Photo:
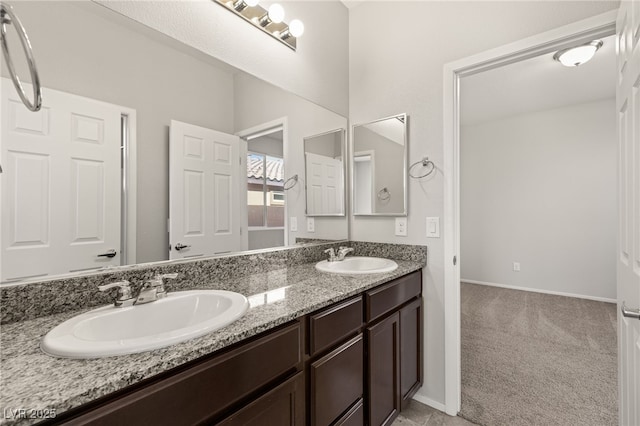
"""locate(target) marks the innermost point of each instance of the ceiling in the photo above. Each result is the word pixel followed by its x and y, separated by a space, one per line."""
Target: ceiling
pixel 537 84
pixel 352 3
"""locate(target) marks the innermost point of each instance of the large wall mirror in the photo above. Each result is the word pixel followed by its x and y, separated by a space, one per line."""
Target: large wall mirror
pixel 379 167
pixel 145 150
pixel 324 157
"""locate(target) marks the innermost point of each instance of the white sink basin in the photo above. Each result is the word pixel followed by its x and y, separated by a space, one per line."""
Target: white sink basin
pixel 357 265
pixel 178 317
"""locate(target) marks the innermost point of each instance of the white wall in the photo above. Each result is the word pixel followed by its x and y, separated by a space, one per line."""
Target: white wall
pixel 257 103
pixel 540 189
pixel 318 70
pixel 265 238
pixel 397 67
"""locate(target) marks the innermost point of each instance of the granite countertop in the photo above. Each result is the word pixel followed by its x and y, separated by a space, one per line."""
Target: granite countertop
pixel 32 380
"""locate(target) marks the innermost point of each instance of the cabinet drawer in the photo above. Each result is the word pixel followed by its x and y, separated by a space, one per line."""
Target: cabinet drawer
pixel 333 324
pixel 388 297
pixel 354 417
pixel 207 389
pixel 337 382
pixel 283 406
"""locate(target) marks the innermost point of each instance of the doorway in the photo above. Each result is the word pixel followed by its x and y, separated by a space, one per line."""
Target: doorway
pixel 265 203
pixel 577 33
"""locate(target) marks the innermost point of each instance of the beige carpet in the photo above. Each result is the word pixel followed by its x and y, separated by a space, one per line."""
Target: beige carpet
pixel 537 359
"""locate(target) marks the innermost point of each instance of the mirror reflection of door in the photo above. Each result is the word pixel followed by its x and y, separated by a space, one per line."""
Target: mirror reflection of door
pixel 204 191
pixel 363 179
pixel 60 186
pixel 324 174
pixel 265 190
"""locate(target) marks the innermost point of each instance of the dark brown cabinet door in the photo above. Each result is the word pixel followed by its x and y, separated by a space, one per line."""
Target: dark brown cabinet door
pixel 383 341
pixel 337 382
pixel 283 406
pixel 411 371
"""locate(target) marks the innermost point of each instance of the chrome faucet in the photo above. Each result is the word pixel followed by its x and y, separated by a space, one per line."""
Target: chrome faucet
pixel 342 252
pixel 123 297
pixel 150 291
pixel 153 289
pixel 332 254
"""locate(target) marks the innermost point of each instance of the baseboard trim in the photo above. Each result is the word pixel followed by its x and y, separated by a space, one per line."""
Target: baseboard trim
pixel 536 290
pixel 430 402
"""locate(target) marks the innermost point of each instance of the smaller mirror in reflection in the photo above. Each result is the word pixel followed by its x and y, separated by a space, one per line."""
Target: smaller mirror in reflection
pixel 324 173
pixel 379 167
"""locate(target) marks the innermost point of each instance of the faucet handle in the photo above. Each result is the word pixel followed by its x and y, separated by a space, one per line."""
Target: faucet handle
pixel 123 297
pixel 123 286
pixel 168 276
pixel 332 254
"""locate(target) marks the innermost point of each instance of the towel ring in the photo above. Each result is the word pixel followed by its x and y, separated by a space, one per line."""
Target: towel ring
pixel 425 162
pixel 384 194
pixel 7 16
pixel 293 179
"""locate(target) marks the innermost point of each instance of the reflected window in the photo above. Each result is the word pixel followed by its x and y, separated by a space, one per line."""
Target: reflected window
pixel 265 192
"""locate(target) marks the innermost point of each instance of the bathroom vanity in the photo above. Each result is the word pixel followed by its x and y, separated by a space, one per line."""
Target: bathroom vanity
pixel 354 360
pixel 315 349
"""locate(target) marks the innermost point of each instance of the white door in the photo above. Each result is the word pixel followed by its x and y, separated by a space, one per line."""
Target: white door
pixel 324 190
pixel 204 198
pixel 628 253
pixel 60 187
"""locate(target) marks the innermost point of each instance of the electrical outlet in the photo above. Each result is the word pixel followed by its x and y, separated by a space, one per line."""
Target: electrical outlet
pixel 311 224
pixel 401 226
pixel 516 266
pixel 293 224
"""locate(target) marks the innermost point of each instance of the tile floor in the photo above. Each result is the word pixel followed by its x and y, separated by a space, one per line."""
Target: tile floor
pixel 418 414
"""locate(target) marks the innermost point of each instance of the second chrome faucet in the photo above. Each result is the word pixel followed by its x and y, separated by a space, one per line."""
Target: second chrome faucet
pixel 342 252
pixel 150 291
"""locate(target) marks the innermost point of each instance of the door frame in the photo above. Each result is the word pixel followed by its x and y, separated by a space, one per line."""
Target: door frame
pixel 598 26
pixel 256 131
pixel 129 185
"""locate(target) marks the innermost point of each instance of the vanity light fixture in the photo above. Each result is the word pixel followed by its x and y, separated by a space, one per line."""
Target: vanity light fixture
pixel 578 55
pixel 240 5
pixel 274 15
pixel 270 21
pixel 296 29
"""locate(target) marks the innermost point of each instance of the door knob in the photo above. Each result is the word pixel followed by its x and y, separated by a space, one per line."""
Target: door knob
pixel 181 246
pixel 110 253
pixel 630 313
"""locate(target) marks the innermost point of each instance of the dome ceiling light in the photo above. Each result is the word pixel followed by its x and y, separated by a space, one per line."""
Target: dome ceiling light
pixel 578 55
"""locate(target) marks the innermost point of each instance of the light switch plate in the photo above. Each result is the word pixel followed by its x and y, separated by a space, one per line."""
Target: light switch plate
pixel 311 224
pixel 433 227
pixel 401 226
pixel 293 224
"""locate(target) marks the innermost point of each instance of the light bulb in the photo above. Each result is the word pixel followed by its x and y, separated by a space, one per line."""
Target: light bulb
pixel 577 55
pixel 252 3
pixel 276 13
pixel 296 28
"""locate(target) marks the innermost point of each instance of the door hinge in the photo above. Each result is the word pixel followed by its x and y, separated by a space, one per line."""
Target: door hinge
pixel 455 260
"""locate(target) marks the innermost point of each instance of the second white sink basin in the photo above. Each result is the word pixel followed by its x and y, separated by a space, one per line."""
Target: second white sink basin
pixel 178 317
pixel 358 265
